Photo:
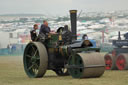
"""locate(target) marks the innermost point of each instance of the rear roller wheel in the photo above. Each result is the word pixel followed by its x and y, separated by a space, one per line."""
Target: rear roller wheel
pixel 122 61
pixel 35 60
pixel 110 62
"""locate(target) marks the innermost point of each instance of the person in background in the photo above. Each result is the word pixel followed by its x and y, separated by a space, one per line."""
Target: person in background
pixel 44 28
pixel 85 37
pixel 13 49
pixel 33 33
pixel 9 48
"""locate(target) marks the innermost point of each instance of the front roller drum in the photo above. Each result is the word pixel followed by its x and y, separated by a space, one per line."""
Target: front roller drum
pixel 122 61
pixel 86 65
pixel 35 60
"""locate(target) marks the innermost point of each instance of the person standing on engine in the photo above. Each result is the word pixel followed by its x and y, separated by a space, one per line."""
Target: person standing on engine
pixel 33 33
pixel 44 28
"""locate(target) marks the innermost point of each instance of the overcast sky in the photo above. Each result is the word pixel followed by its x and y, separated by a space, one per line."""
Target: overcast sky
pixel 60 7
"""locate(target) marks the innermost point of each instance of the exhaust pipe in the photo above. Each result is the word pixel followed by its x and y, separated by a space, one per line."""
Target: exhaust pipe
pixel 73 18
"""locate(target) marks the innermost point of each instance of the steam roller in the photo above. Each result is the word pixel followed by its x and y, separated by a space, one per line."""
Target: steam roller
pixel 62 53
pixel 118 58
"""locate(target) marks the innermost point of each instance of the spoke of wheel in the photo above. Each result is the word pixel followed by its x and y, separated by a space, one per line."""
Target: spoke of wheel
pixel 36 66
pixel 35 53
pixel 38 58
pixel 35 71
pixel 33 48
pixel 28 56
pixel 30 67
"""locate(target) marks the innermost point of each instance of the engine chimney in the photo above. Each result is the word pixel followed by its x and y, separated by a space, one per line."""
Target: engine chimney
pixel 119 37
pixel 73 17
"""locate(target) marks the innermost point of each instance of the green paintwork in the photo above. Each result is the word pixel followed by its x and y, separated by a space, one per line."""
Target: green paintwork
pixel 74 62
pixel 51 43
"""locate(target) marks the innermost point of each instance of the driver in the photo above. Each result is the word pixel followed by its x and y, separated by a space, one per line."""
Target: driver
pixel 44 28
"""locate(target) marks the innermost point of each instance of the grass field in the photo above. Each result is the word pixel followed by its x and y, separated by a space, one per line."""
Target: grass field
pixel 12 73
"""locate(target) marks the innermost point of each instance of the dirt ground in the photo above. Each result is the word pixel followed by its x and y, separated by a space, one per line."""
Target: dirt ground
pixel 12 73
